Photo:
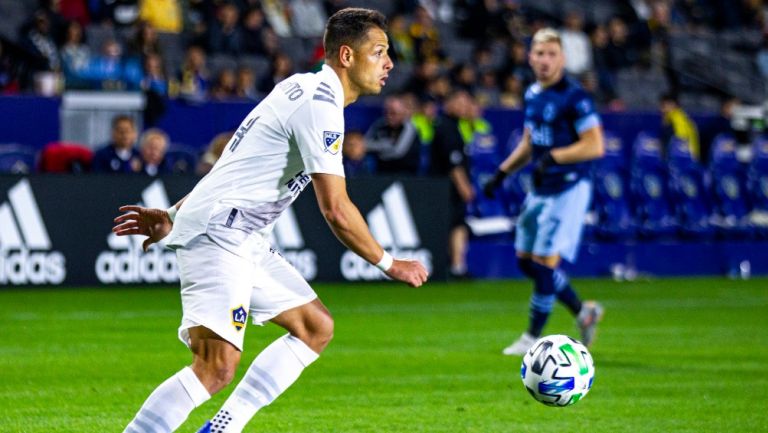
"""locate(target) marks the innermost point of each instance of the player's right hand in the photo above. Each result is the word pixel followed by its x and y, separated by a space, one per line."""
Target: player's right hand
pixel 490 187
pixel 140 220
pixel 411 272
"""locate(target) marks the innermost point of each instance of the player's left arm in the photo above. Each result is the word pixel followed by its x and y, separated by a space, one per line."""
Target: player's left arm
pixel 588 126
pixel 589 146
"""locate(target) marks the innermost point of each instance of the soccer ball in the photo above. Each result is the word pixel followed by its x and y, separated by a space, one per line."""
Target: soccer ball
pixel 558 370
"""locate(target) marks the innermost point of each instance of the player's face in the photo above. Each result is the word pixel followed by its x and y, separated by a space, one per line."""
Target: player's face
pixel 547 61
pixel 371 66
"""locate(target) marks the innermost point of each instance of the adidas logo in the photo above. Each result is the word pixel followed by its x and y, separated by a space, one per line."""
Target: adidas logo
pixel 392 225
pixel 126 262
pixel 286 236
pixel 25 247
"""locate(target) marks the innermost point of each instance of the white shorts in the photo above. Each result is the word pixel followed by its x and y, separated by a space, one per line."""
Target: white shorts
pixel 220 289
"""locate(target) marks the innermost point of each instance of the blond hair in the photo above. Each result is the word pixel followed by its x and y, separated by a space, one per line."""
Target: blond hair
pixel 547 34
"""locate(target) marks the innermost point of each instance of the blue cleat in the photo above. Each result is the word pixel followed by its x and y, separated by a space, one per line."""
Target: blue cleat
pixel 206 428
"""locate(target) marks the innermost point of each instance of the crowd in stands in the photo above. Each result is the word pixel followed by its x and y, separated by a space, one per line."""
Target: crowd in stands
pixel 228 49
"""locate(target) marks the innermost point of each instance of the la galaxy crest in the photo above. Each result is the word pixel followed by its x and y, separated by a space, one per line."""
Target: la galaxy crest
pixel 238 317
pixel 332 141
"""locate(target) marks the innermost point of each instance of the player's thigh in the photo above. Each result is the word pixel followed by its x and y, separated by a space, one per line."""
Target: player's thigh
pixel 277 287
pixel 216 288
pixel 528 224
pixel 561 221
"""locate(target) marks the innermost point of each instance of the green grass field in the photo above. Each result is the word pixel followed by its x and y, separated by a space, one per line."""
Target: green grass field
pixel 677 355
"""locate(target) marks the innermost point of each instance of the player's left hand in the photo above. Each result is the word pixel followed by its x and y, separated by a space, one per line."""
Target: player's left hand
pixel 540 168
pixel 140 220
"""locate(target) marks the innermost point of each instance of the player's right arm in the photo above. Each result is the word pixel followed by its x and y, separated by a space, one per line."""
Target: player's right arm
pixel 516 160
pixel 140 220
pixel 350 228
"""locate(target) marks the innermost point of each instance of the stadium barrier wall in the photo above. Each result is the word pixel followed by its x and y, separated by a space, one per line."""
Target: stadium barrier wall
pixel 56 230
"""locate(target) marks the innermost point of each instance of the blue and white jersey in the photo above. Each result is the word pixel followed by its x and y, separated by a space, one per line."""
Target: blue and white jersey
pixel 554 117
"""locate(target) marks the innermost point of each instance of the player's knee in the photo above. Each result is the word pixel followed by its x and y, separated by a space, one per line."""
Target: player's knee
pixel 317 331
pixel 217 374
pixel 525 264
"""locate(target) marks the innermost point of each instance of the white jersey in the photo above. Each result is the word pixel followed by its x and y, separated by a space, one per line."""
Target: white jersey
pixel 295 131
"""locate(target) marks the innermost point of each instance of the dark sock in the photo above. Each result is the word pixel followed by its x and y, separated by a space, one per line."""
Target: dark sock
pixel 565 292
pixel 543 297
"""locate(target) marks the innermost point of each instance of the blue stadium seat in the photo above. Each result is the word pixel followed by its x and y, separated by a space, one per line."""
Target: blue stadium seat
pixel 181 159
pixel 758 186
pixel 611 202
pixel 648 185
pixel 688 192
pixel 17 159
pixel 729 189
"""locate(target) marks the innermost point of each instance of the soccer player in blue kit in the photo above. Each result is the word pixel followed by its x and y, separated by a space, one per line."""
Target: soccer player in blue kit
pixel 562 134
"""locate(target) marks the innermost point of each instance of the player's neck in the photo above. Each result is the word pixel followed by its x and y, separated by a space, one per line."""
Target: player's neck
pixel 548 83
pixel 350 93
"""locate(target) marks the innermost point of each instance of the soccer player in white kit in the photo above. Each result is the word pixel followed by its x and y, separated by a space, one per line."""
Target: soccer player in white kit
pixel 228 270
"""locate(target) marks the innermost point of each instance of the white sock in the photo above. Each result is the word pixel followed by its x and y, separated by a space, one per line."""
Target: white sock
pixel 169 404
pixel 271 373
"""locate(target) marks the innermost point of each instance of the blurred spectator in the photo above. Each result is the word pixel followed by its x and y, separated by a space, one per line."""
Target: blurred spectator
pixel 720 124
pixel 307 18
pixel 356 161
pixel 153 145
pixel 512 93
pixel 254 27
pixel 282 68
pixel 8 67
pixel 621 54
pixel 75 57
pixel 193 77
pixel 72 10
pixel 576 44
pixel 604 65
pixel 213 153
pixel 676 123
pixel 449 160
pixel 154 78
pixel 224 35
pixel 245 86
pixel 120 13
pixel 473 126
pixel 144 42
pixel 393 140
pixel 487 91
pixel 277 16
pixel 517 63
pixel 425 36
pixel 109 71
pixel 464 77
pixel 39 42
pixel 426 72
pixel 401 39
pixel 163 15
pixel 224 86
pixel 423 120
pixel 120 155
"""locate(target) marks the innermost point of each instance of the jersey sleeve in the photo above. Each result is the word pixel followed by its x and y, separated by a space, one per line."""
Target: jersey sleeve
pixel 585 115
pixel 318 129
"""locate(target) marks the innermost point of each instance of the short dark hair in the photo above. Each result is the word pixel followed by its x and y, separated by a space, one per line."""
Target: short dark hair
pixel 350 26
pixel 122 118
pixel 669 97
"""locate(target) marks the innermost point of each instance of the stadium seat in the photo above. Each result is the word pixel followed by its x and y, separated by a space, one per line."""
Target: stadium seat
pixel 611 202
pixel 758 187
pixel 729 189
pixel 182 159
pixel 65 157
pixel 648 185
pixel 17 159
pixel 688 192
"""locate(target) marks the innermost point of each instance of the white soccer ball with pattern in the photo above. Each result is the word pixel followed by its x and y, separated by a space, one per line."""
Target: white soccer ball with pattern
pixel 558 370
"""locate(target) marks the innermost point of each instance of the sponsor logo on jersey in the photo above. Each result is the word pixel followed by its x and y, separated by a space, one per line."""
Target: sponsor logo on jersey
pixel 26 255
pixel 289 243
pixel 392 224
pixel 239 315
pixel 126 262
pixel 332 141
